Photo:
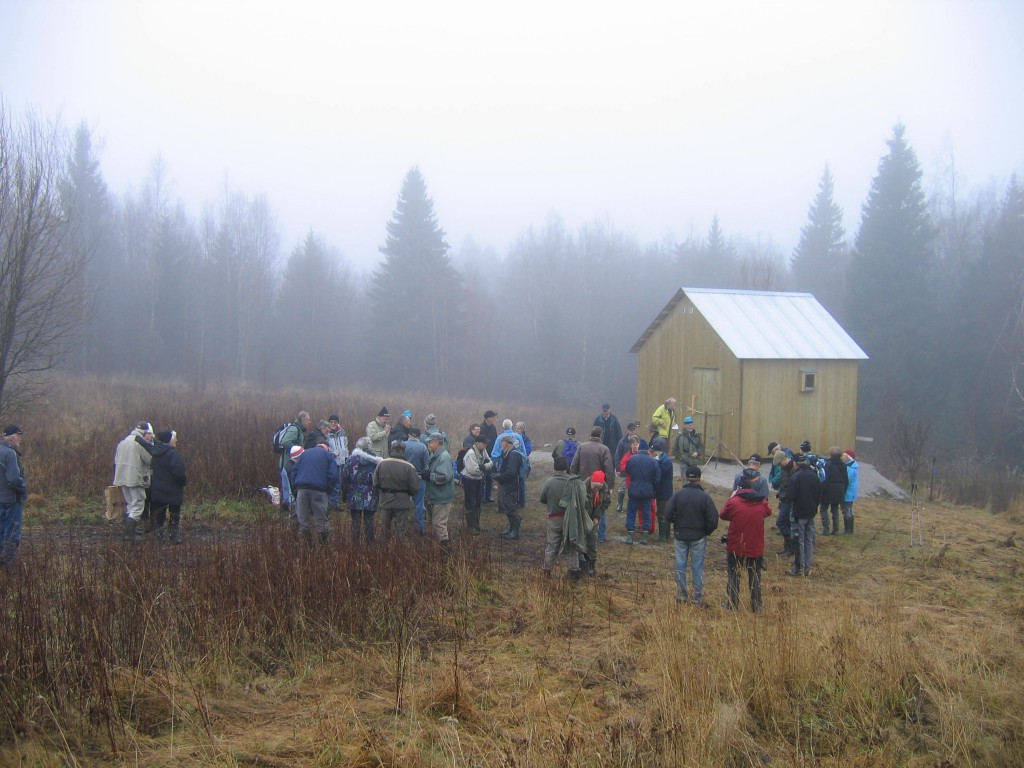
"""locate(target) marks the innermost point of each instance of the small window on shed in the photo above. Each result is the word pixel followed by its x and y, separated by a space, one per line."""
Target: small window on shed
pixel 808 380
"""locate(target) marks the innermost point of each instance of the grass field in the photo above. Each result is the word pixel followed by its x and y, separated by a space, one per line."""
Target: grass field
pixel 241 648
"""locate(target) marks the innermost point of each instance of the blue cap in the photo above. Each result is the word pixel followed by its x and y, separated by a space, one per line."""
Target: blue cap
pixel 688 420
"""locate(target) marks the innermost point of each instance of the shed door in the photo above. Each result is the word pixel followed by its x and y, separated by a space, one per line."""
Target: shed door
pixel 707 389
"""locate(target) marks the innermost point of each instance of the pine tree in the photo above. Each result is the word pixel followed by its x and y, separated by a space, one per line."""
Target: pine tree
pixel 94 239
pixel 889 288
pixel 819 261
pixel 414 297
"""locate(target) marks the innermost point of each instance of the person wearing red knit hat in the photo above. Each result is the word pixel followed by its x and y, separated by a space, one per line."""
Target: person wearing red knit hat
pixel 852 488
pixel 599 498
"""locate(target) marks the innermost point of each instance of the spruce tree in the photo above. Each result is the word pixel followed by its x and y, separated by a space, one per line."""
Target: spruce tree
pixel 889 288
pixel 414 298
pixel 819 261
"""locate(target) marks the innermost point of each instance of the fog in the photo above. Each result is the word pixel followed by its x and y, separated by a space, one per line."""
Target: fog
pixel 496 204
pixel 657 117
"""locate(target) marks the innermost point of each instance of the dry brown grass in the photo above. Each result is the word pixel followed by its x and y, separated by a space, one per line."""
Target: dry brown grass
pixel 888 655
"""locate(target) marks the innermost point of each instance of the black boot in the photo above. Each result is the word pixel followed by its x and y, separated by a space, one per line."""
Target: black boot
pixel 131 530
pixel 324 538
pixel 848 527
pixel 663 530
pixel 513 531
pixel 787 546
pixel 173 534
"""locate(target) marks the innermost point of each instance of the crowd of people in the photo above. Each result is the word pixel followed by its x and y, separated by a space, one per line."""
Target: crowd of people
pixel 409 475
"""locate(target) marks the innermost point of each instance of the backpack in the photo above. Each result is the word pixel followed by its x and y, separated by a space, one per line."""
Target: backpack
pixel 569 450
pixel 278 439
pixel 524 465
pixel 820 466
pixel 460 460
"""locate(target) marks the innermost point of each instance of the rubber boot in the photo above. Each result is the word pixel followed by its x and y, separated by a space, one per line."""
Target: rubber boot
pixel 591 569
pixel 324 538
pixel 131 530
pixel 173 534
pixel 663 530
pixel 629 538
pixel 446 549
pixel 787 546
pixel 307 536
pixel 848 525
pixel 575 575
pixel 513 532
pixel 643 538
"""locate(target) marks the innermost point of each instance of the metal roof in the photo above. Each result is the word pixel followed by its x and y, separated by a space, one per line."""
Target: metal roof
pixel 801 329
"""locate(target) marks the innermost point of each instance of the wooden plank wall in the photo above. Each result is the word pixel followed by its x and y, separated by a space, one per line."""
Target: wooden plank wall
pixel 770 406
pixel 774 408
pixel 685 341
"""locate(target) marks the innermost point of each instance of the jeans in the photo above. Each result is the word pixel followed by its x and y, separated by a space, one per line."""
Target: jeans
pixel 488 485
pixel 754 566
pixel 286 488
pixel 646 509
pixel 803 531
pixel 521 499
pixel 334 498
pixel 824 510
pixel 692 553
pixel 421 510
pixel 601 529
pixel 10 531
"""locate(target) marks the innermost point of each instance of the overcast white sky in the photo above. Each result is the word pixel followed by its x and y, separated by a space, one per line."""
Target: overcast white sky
pixel 656 115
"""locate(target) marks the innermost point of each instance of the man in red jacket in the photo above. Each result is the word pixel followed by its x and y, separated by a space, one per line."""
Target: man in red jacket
pixel 746 511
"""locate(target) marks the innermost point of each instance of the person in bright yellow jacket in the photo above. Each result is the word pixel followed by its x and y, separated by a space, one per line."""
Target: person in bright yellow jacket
pixel 665 418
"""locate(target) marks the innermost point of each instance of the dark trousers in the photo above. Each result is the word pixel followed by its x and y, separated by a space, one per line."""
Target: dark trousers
pixel 362 523
pixel 473 490
pixel 488 485
pixel 161 512
pixel 507 494
pixel 754 566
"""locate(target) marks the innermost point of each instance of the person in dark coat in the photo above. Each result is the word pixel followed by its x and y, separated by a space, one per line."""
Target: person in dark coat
pixel 833 493
pixel 488 430
pixel 611 430
pixel 664 490
pixel 644 475
pixel 508 485
pixel 167 488
pixel 804 491
pixel 694 517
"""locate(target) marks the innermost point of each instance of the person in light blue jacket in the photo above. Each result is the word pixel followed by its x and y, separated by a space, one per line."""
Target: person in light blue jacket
pixel 853 473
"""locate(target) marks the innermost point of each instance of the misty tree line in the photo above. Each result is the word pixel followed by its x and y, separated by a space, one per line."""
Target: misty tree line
pixel 929 285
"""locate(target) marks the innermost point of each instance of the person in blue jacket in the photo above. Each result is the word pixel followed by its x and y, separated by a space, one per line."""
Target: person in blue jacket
pixel 852 489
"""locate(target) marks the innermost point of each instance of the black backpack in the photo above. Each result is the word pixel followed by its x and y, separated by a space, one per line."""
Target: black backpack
pixel 460 460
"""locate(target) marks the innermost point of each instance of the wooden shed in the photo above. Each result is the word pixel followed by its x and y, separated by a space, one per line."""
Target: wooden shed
pixel 755 366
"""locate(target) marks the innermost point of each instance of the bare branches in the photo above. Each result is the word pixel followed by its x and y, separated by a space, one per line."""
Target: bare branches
pixel 907 438
pixel 41 293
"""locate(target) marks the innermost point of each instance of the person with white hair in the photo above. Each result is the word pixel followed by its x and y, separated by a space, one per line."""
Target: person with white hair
pixel 357 489
pixel 133 473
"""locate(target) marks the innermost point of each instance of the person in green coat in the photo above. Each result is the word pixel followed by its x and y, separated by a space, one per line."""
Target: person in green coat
pixel 440 487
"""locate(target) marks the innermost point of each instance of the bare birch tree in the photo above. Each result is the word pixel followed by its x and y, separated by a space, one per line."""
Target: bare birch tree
pixel 41 295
